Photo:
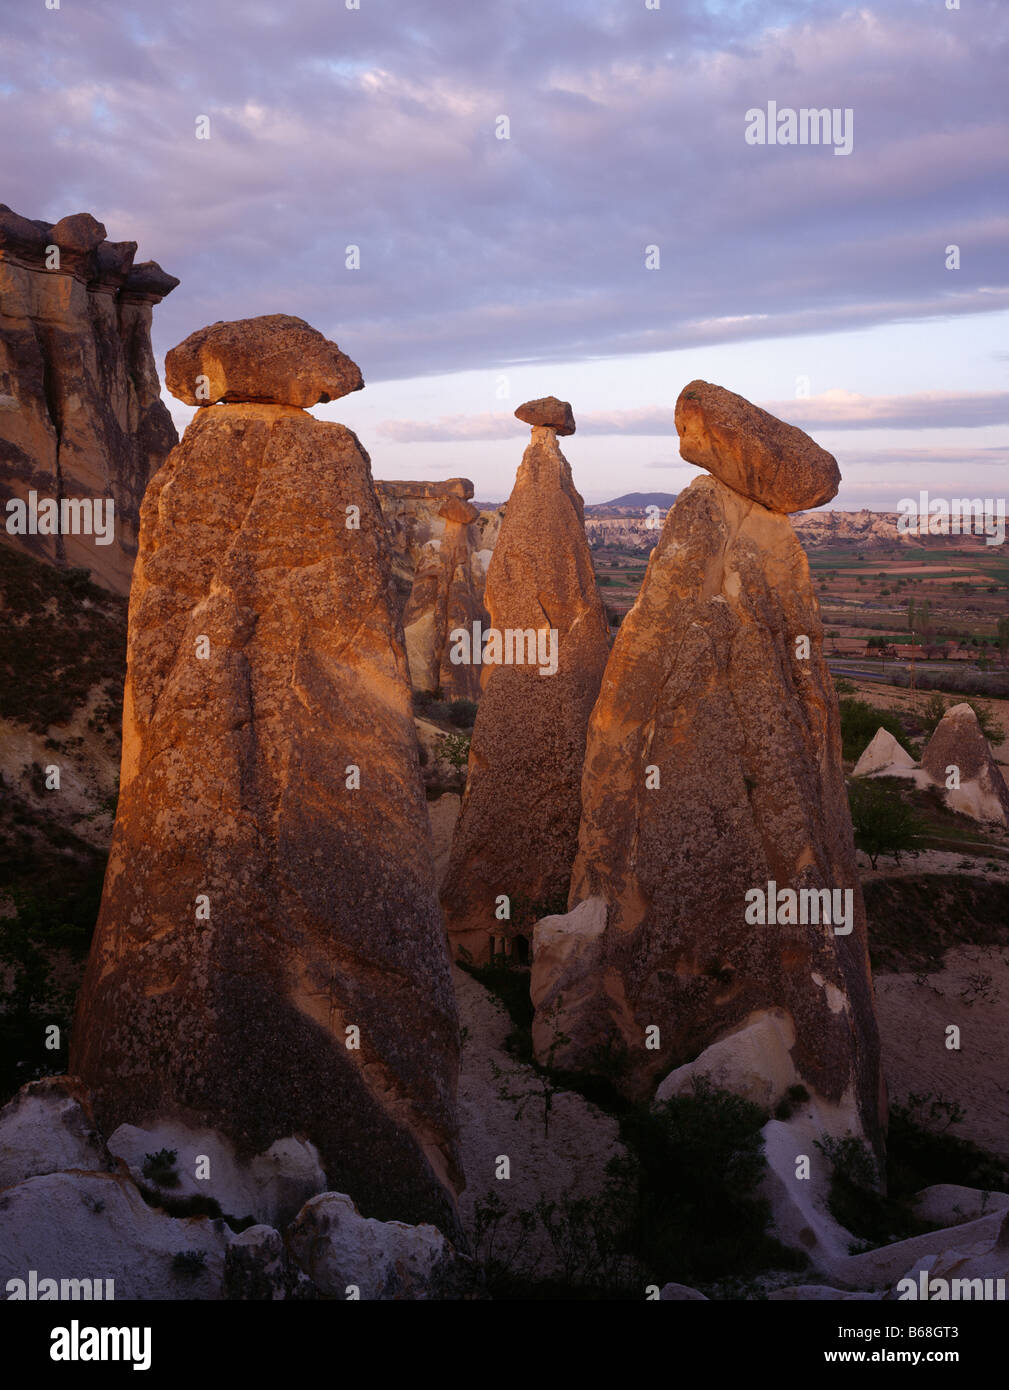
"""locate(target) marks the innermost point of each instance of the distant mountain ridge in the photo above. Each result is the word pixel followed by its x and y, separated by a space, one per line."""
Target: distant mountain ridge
pixel 634 501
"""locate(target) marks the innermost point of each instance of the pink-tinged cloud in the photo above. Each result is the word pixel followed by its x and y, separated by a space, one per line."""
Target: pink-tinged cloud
pixel 847 410
pixel 452 429
pixel 839 410
pixel 449 429
pixel 333 127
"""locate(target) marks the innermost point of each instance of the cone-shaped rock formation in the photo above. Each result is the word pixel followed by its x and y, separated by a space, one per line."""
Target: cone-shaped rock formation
pixel 959 759
pixel 542 660
pixel 270 889
pixel 713 781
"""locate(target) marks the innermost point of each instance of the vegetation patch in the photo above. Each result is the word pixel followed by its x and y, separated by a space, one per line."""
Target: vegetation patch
pixel 914 921
pixel 65 636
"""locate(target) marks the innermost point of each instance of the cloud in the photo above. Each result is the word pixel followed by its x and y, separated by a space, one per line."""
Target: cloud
pixel 332 127
pixel 450 429
pixel 649 420
pixel 946 458
pixel 847 410
pixel 837 410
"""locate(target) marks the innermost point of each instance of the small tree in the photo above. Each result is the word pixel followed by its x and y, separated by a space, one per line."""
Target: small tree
pixel 883 821
pixel 454 749
pixel 935 708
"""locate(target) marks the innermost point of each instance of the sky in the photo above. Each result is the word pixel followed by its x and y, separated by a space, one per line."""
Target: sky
pixel 625 238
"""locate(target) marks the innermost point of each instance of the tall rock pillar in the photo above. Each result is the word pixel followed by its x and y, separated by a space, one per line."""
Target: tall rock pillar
pixel 542 658
pixel 270 957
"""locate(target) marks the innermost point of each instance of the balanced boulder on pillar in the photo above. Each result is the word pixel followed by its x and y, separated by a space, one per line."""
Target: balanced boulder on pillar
pixel 715 883
pixel 270 957
pixel 542 659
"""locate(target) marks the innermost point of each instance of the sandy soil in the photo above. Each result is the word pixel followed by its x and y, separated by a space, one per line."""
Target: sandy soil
pixel 971 992
pixel 502 1114
pixel 932 861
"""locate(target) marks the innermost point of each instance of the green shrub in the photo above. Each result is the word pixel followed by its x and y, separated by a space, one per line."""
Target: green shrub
pixel 922 1150
pixel 454 749
pixel 695 1171
pixel 160 1168
pixel 859 722
pixel 920 1153
pixel 884 823
pixel 462 713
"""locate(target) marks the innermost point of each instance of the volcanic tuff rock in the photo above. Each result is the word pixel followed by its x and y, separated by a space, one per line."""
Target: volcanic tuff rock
pixel 712 767
pixel 258 902
pixel 753 452
pixel 518 826
pixel 49 1126
pixel 275 359
pixel 388 1261
pixel 958 742
pixel 440 561
pixel 83 416
pixel 882 753
pixel 549 411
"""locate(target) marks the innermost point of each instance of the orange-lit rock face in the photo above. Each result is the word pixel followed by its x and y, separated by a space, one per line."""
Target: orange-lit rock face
pixel 753 452
pixel 258 904
pixel 81 415
pixel 518 825
pixel 440 560
pixel 713 767
pixel 549 411
pixel 274 359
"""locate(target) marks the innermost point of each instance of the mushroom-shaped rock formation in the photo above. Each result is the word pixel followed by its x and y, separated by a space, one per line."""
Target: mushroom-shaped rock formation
pixel 270 958
pixel 542 657
pixel 716 874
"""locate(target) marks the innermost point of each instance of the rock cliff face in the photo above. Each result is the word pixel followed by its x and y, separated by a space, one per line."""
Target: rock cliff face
pixel 270 958
pixel 441 547
pixel 518 825
pixel 713 780
pixel 81 416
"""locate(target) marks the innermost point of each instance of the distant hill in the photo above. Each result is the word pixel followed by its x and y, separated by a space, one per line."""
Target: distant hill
pixel 636 501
